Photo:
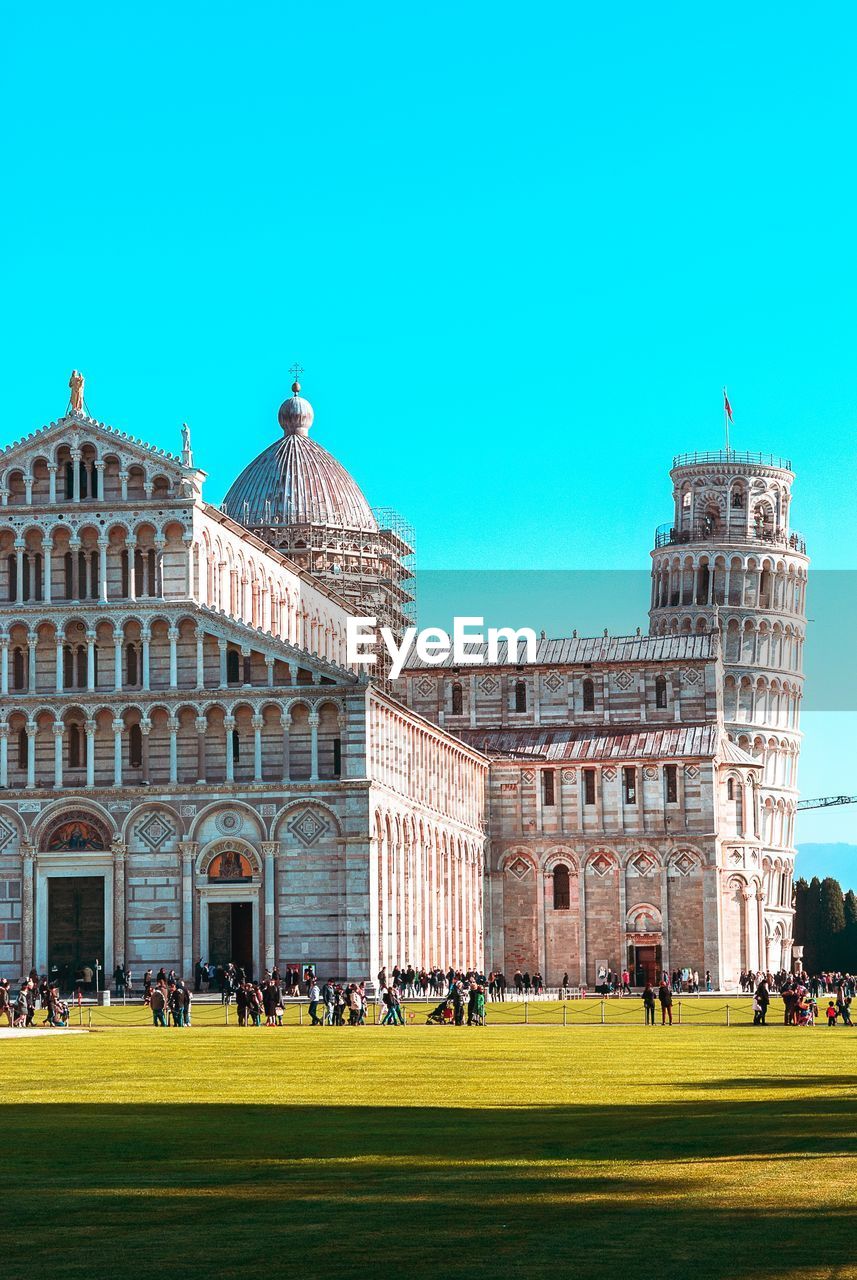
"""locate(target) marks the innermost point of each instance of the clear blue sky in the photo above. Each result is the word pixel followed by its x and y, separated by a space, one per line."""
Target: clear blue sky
pixel 517 250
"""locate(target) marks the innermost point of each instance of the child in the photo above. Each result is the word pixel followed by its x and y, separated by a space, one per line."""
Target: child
pixel 831 1014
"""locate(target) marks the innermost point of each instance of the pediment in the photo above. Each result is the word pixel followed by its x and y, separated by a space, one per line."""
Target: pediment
pixel 76 430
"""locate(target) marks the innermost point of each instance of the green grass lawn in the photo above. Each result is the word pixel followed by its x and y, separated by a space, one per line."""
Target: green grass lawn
pixel 430 1152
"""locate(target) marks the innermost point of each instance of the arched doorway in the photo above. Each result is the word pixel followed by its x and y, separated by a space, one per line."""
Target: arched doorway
pixel 74 886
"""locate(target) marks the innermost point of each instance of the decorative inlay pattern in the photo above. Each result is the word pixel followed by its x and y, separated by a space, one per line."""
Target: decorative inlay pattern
pixel 553 681
pixel 624 680
pixel 600 865
pixel 7 831
pixel 308 827
pixel 644 864
pixel 519 868
pixel 228 823
pixel 154 830
pixel 488 684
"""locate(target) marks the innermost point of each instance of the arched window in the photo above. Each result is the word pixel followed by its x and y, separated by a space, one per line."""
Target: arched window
pixel 730 788
pixel 548 788
pixel 19 670
pixel 23 748
pixel 236 746
pixel 233 667
pixel 12 563
pixel 660 693
pixel 520 695
pixel 561 889
pixel 131 671
pixel 588 690
pixel 457 700
pixel 135 746
pixel 75 755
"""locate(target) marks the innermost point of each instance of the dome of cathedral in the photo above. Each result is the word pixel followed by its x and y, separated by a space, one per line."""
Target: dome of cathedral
pixel 295 481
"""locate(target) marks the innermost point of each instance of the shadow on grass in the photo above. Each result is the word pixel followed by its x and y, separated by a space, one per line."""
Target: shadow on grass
pixel 593 1191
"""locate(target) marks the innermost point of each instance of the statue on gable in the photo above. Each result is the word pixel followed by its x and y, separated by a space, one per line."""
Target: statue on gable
pixel 75 386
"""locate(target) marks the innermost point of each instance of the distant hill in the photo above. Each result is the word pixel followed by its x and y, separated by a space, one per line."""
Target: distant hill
pixel 837 860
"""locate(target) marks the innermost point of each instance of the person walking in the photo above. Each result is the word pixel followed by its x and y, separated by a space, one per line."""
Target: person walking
pixel 157 1003
pixel 665 996
pixel 314 1001
pixel 762 1000
pixel 649 1003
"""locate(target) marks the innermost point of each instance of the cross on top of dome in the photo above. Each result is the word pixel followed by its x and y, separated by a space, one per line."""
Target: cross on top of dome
pixel 296 415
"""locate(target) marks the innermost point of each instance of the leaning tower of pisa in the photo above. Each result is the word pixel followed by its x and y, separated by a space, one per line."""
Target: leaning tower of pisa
pixel 730 559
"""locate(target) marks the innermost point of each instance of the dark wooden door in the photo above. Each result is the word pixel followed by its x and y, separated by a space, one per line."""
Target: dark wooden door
pixel 647 966
pixel 230 934
pixel 242 936
pixel 75 926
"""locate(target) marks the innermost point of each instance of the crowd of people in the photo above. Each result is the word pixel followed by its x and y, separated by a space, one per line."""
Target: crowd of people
pixel 34 992
pixel 462 995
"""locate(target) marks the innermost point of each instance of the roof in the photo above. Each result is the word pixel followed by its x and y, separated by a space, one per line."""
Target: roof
pixel 582 745
pixel 597 649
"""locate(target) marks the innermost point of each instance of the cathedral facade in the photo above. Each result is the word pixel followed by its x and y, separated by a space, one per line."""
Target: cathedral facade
pixel 189 767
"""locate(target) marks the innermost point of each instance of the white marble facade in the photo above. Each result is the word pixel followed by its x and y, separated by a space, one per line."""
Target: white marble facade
pixel 188 767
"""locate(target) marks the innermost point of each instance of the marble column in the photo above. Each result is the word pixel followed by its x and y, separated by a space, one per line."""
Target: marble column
pixel 145 730
pixel 270 852
pixel 90 661
pixel 28 856
pixel 229 725
pixel 4 755
pixel 89 728
pixel 201 729
pixel 173 636
pixel 118 728
pixel 188 850
pixel 313 728
pixel 118 850
pixel 173 726
pixel 48 581
pixel 257 748
pixel 59 730
pixel 102 570
pixel 31 755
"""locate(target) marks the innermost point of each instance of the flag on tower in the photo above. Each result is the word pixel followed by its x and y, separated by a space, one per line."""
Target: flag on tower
pixel 727 406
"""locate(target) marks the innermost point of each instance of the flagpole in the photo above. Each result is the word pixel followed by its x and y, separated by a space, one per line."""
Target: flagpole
pixel 726 418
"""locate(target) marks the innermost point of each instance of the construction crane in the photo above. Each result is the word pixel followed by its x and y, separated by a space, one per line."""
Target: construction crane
pixel 825 802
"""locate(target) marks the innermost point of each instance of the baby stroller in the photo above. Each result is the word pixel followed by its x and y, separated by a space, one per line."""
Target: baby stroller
pixel 441 1016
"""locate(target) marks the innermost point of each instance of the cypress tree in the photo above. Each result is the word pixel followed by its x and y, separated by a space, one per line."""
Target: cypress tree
pixel 801 889
pixel 831 923
pixel 812 920
pixel 849 941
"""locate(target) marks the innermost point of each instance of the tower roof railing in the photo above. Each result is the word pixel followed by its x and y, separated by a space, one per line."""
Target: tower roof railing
pixel 727 457
pixel 667 535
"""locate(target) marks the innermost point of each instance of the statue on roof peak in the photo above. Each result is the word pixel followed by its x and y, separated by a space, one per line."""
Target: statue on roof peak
pixel 75 386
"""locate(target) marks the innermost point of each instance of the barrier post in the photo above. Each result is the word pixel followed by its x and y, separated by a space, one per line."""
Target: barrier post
pixel 300 1014
pixel 374 1013
pixel 564 1023
pixel 89 1011
pixel 727 1015
pixel 679 1013
pixel 526 1011
pixel 226 1014
pixel 602 1013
